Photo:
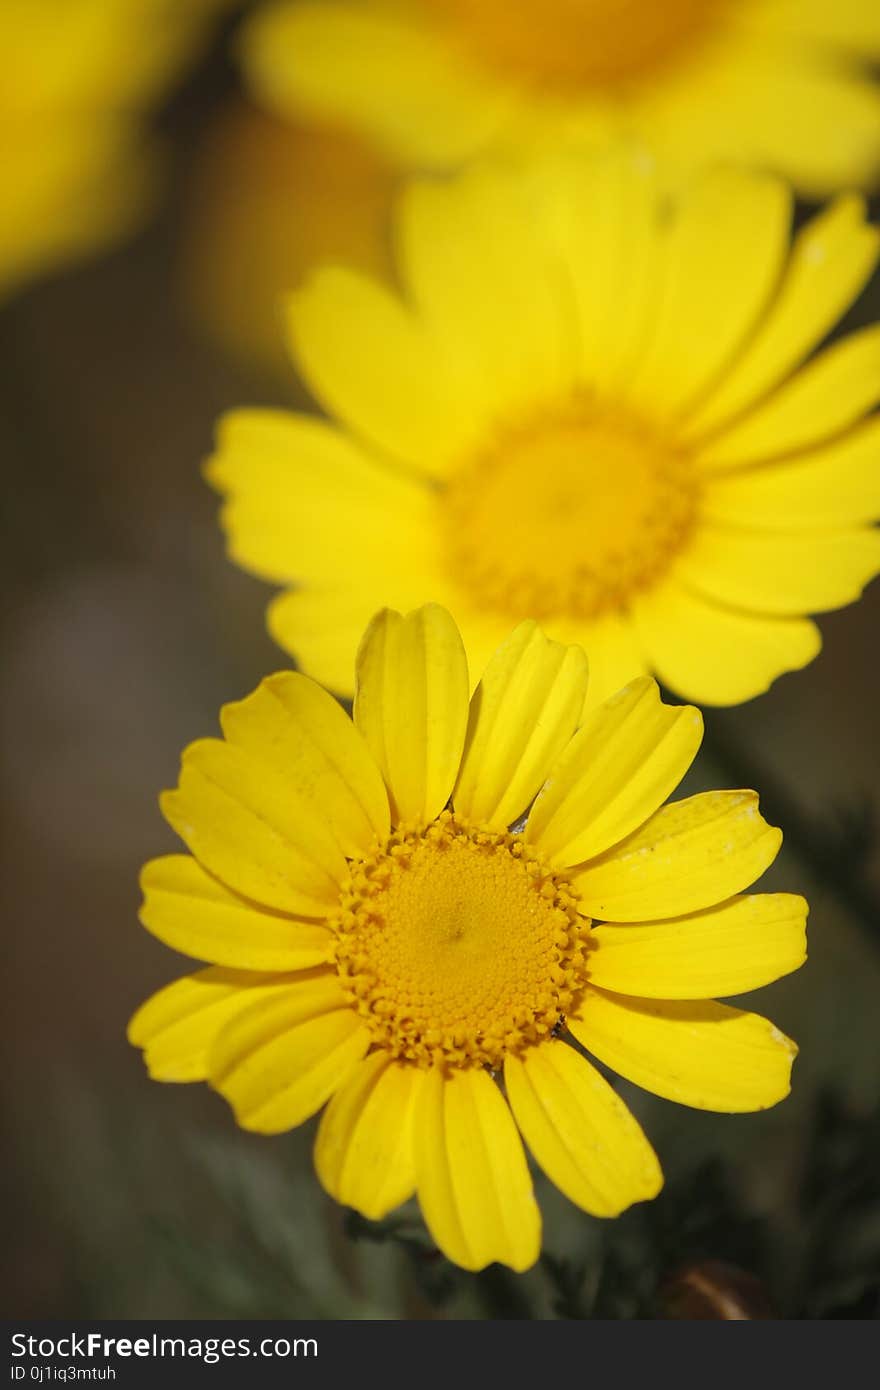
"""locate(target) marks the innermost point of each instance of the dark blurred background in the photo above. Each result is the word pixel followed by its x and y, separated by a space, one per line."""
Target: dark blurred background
pixel 125 631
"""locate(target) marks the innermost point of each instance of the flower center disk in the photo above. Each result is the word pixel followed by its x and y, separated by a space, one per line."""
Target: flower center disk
pixel 568 515
pixel 458 945
pixel 580 43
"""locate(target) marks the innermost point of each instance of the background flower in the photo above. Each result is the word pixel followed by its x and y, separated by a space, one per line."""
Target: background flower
pixel 584 410
pixel 779 83
pixel 80 79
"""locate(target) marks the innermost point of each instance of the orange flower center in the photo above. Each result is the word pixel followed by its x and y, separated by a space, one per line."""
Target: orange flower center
pixel 569 515
pixel 458 945
pixel 579 43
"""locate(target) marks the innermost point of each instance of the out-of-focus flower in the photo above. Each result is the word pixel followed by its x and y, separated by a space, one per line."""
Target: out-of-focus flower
pixel 385 938
pixel 586 409
pixel 269 202
pixel 782 83
pixel 79 79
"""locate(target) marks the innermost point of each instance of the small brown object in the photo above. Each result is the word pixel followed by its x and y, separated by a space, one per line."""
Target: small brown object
pixel 715 1289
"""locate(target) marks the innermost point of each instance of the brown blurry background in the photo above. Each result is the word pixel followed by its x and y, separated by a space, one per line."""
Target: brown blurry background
pixel 125 631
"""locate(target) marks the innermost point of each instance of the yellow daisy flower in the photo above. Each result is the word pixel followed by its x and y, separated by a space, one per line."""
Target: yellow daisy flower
pixel 390 936
pixel 584 408
pixel 79 77
pixel 779 83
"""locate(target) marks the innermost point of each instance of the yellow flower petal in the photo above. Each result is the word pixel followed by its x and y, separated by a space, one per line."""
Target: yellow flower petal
pixel 374 70
pixel 630 754
pixel 194 913
pixel 369 361
pixel 743 944
pixel 522 715
pixel 605 212
pixel 322 628
pixel 825 397
pixel 815 121
pixel 579 1130
pixel 832 258
pixel 838 485
pixel 690 855
pixel 724 254
pixel 411 705
pixel 484 282
pixel 278 1062
pixel 701 1054
pixel 300 494
pixel 613 652
pixel 853 25
pixel 715 655
pixel 241 820
pixel 177 1026
pixel 482 632
pixel 473 1181
pixel 290 724
pixel 364 1153
pixel 769 572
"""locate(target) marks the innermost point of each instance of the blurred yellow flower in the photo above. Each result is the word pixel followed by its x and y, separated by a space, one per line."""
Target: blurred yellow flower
pixel 385 936
pixel 269 201
pixel 79 77
pixel 588 410
pixel 780 83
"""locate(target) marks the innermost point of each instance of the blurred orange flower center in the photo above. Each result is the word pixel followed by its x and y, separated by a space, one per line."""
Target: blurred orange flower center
pixel 583 43
pixel 568 515
pixel 459 944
